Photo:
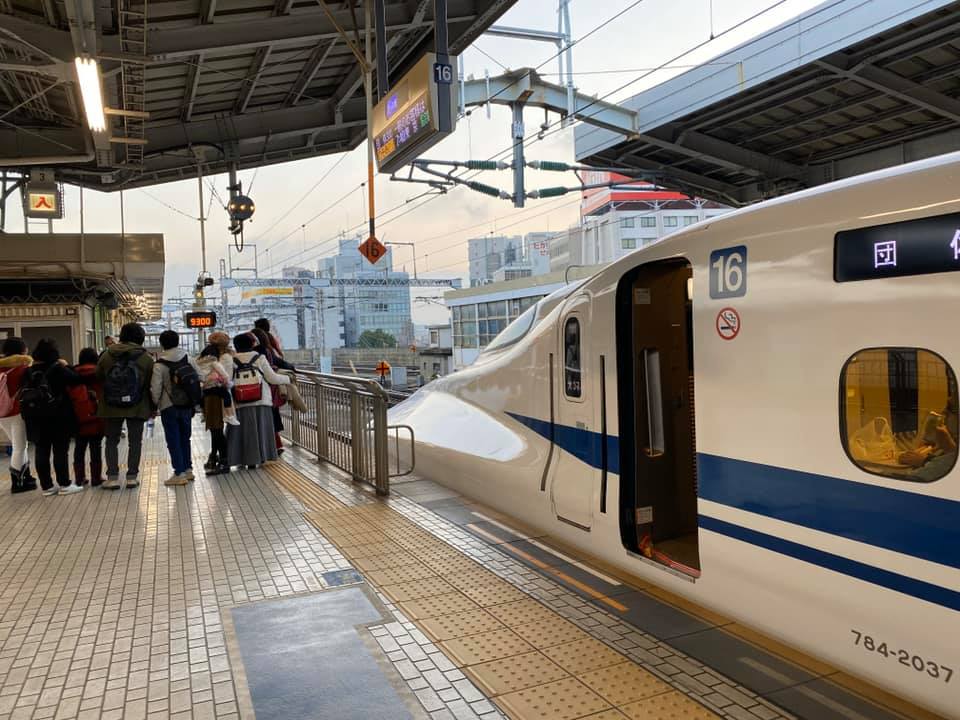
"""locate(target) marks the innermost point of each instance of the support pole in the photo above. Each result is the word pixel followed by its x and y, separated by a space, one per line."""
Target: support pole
pixel 383 69
pixel 519 188
pixel 203 236
pixel 368 87
pixel 444 109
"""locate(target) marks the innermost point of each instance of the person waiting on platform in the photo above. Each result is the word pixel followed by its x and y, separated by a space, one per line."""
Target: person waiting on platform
pixel 14 362
pixel 176 392
pixel 267 346
pixel 48 413
pixel 215 365
pixel 125 369
pixel 252 442
pixel 90 427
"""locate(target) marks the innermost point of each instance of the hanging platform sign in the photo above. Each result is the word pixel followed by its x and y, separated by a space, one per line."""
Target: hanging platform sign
pixel 43 196
pixel 408 120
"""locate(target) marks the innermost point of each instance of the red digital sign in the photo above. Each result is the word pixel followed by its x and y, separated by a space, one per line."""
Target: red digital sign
pixel 201 319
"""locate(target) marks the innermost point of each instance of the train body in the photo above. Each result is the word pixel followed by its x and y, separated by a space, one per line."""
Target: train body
pixel 755 413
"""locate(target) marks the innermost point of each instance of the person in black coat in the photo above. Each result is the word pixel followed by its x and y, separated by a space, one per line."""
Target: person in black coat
pixel 48 413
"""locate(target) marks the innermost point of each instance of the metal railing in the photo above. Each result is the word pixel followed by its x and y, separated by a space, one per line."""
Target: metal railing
pixel 345 424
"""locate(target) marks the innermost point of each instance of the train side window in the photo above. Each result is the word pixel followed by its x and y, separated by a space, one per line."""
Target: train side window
pixel 572 371
pixel 899 413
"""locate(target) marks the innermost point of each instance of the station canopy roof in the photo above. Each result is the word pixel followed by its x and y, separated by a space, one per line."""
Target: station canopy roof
pixel 847 87
pixel 255 81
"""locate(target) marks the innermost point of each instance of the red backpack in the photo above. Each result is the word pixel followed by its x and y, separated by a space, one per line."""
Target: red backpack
pixel 84 401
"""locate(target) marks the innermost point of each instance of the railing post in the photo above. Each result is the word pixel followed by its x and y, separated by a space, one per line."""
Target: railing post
pixel 294 420
pixel 323 437
pixel 356 436
pixel 380 452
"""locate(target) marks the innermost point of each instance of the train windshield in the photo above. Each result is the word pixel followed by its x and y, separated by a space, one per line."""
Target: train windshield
pixel 515 330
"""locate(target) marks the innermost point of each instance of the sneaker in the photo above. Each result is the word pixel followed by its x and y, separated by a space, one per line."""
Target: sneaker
pixel 232 420
pixel 174 480
pixel 132 481
pixel 111 483
pixel 188 474
pixel 71 489
pixel 50 491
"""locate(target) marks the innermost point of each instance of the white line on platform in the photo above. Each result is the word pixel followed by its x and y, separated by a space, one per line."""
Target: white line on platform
pixel 546 548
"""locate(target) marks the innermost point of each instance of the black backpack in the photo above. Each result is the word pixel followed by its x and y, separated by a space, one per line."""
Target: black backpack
pixel 185 389
pixel 123 386
pixel 37 400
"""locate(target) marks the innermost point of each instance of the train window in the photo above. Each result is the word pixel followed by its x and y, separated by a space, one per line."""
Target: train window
pixel 514 331
pixel 572 374
pixel 899 413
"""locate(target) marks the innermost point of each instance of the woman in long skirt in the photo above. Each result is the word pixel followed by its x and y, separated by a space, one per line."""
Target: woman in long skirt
pixel 252 443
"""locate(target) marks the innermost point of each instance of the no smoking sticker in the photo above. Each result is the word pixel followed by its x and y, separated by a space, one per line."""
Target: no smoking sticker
pixel 728 323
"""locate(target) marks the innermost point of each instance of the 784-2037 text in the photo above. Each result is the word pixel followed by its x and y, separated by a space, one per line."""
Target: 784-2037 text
pixel 904 657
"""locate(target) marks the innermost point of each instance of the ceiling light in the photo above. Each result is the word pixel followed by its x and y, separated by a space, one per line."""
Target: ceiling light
pixel 88 74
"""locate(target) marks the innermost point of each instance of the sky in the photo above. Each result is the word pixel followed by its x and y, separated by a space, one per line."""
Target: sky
pixel 303 206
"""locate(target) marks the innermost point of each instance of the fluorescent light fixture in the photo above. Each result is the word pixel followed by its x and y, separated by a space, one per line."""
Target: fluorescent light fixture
pixel 88 74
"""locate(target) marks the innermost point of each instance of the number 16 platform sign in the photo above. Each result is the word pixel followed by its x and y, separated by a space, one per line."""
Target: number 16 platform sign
pixel 372 249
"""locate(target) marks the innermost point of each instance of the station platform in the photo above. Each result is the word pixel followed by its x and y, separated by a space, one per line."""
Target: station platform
pixel 291 592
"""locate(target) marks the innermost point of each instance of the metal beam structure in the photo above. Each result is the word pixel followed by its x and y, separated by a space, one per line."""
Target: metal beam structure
pixel 846 87
pixel 264 83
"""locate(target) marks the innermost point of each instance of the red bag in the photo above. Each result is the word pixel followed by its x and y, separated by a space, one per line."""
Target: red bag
pixel 246 383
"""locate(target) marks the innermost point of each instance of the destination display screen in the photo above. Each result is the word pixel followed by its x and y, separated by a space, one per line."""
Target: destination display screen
pixel 201 319
pixel 403 129
pixel 914 247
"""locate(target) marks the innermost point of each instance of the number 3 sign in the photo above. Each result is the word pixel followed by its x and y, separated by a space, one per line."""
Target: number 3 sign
pixel 728 272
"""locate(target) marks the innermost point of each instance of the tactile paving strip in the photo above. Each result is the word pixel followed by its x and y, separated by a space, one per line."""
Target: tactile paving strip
pixel 583 656
pixel 527 683
pixel 447 627
pixel 427 587
pixel 515 673
pixel 624 683
pixel 668 706
pixel 522 612
pixel 438 605
pixel 546 633
pixel 560 700
pixel 487 646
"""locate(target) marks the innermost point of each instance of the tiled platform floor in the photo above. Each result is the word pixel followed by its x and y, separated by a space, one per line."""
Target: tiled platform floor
pixel 117 604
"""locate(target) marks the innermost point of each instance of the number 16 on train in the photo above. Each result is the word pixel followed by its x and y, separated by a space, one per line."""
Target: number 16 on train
pixel 728 272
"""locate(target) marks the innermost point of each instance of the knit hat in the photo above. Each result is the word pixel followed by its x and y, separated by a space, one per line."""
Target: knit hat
pixel 219 338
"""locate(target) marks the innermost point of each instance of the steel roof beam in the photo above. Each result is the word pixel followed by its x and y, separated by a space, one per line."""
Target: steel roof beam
pixel 250 82
pixel 208 8
pixel 253 126
pixel 893 84
pixel 317 58
pixel 237 36
pixel 190 89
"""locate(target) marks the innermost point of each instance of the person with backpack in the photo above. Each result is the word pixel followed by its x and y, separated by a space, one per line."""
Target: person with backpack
pixel 90 427
pixel 176 391
pixel 48 413
pixel 125 370
pixel 252 442
pixel 14 363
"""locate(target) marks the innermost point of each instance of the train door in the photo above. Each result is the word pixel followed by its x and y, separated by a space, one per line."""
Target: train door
pixel 662 499
pixel 574 472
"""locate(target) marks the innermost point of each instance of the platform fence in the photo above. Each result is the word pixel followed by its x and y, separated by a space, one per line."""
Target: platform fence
pixel 344 423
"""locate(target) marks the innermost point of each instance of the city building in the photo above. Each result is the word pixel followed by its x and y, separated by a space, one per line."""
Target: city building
pixel 365 308
pixel 479 314
pixel 619 219
pixel 436 360
pixel 499 258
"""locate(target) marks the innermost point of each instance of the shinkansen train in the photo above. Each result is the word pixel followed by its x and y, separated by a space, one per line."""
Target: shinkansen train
pixel 758 413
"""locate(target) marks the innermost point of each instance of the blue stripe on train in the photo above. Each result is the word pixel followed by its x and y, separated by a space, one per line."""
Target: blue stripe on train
pixel 884 578
pixel 906 522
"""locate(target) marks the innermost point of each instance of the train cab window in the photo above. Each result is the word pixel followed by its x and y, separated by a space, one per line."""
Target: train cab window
pixel 515 331
pixel 899 413
pixel 572 372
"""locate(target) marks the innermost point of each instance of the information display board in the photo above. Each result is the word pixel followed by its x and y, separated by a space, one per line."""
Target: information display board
pixel 408 120
pixel 201 319
pixel 913 247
